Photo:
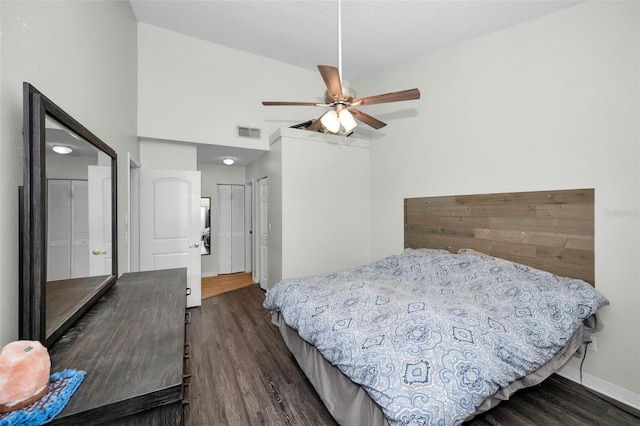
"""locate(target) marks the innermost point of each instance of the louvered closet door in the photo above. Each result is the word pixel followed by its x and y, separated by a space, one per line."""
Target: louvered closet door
pixel 237 228
pixel 230 228
pixel 67 230
pixel 58 230
pixel 224 229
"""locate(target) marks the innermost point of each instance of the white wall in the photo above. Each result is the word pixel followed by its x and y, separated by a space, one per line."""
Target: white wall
pixel 65 167
pixel 168 155
pixel 195 91
pixel 549 104
pixel 82 55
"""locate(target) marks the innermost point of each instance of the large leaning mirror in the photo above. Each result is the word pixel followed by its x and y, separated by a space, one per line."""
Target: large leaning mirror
pixel 67 218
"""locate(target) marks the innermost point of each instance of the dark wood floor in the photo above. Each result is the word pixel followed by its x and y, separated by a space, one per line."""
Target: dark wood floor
pixel 243 374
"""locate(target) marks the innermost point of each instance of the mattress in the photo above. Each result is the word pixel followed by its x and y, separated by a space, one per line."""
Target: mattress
pixel 431 337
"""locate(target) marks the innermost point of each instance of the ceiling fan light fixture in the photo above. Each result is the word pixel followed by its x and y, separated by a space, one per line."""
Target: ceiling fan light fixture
pixel 347 121
pixel 228 161
pixel 331 121
pixel 59 149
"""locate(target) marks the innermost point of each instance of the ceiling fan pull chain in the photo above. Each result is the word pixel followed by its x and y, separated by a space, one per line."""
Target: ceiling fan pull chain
pixel 340 41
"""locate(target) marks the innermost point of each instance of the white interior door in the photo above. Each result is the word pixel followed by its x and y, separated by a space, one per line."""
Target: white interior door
pixel 170 224
pixel 80 233
pixel 99 182
pixel 263 225
pixel 248 227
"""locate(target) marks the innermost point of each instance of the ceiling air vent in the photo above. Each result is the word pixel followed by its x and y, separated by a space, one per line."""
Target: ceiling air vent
pixel 248 132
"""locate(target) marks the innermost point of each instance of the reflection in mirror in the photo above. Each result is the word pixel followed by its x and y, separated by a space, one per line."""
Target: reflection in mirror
pixel 78 210
pixel 68 226
pixel 205 225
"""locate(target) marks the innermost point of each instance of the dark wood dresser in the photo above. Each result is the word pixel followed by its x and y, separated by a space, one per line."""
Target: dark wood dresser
pixel 132 345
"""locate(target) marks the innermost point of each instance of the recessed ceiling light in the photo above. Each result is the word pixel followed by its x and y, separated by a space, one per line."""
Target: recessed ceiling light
pixel 62 149
pixel 228 161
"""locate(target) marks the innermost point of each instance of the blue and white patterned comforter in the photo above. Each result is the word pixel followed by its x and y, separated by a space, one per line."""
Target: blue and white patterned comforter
pixel 430 335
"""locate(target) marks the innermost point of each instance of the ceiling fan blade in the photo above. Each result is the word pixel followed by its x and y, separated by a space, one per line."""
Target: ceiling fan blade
pixel 331 77
pixel 367 119
pixel 403 95
pixel 267 103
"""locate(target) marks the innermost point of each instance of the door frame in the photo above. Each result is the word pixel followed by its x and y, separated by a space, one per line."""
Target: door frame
pixel 248 227
pixel 132 218
pixel 261 227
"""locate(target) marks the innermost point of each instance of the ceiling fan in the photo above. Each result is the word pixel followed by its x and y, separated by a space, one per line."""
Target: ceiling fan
pixel 342 100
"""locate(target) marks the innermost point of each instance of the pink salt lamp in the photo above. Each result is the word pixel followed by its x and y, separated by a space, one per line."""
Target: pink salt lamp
pixel 25 368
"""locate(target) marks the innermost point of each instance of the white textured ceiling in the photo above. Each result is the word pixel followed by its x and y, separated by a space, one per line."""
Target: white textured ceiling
pixel 376 34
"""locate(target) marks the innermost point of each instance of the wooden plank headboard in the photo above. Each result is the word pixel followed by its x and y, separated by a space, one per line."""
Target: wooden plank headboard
pixel 549 230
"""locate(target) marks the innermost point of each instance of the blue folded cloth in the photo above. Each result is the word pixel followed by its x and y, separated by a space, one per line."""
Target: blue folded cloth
pixel 62 385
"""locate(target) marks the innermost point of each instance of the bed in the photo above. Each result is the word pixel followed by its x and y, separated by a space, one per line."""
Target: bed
pixel 437 334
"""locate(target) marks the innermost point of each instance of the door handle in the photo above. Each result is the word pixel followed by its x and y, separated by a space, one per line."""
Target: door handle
pixel 196 245
pixel 97 252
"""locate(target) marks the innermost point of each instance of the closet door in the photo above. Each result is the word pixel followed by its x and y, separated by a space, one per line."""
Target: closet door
pixel 67 229
pixel 58 230
pixel 230 229
pixel 237 228
pixel 224 229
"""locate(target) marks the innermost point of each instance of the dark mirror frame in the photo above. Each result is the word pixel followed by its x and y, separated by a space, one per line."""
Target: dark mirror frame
pixel 33 217
pixel 206 239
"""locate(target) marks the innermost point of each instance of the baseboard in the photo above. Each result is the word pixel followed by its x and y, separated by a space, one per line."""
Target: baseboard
pixel 622 398
pixel 208 274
